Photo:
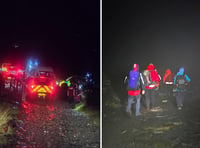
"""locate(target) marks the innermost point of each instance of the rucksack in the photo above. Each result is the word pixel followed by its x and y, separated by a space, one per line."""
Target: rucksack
pixel 147 77
pixel 169 78
pixel 181 80
pixel 134 80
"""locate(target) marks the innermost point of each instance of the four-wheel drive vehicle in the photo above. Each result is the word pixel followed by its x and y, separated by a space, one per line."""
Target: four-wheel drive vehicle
pixel 41 83
pixel 9 70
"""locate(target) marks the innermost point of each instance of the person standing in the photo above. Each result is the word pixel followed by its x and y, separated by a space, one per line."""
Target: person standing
pixel 180 81
pixel 151 85
pixel 135 84
pixel 168 81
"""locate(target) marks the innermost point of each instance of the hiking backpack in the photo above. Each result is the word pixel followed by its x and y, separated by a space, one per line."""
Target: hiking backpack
pixel 181 80
pixel 134 80
pixel 147 77
pixel 169 78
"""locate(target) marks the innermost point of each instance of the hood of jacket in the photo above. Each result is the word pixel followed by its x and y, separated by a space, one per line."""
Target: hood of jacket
pixel 168 72
pixel 135 67
pixel 150 67
pixel 181 71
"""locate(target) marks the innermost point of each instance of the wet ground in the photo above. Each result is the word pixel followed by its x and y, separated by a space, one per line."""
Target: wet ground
pixel 53 125
pixel 162 127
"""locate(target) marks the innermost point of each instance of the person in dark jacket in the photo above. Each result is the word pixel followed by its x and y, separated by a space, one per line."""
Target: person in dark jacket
pixel 180 81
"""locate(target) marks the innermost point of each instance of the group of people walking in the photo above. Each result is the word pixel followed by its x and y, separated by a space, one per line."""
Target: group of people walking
pixel 147 83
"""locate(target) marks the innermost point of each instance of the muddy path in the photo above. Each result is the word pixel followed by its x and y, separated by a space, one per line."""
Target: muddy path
pixel 162 127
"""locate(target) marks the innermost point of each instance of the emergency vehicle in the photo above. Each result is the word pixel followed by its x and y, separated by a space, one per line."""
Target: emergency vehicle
pixel 41 83
pixel 10 70
pixel 11 73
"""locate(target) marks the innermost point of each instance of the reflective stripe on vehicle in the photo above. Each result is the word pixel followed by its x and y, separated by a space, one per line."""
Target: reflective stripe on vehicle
pixel 42 90
pixel 36 88
pixel 47 88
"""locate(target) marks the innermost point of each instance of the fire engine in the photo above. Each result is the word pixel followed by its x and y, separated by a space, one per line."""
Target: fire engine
pixel 41 83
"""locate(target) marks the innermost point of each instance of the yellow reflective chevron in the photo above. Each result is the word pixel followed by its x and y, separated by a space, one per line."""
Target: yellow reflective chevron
pixel 36 88
pixel 47 88
pixel 42 90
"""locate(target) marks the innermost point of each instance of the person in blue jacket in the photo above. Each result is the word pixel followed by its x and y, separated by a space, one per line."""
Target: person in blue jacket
pixel 181 80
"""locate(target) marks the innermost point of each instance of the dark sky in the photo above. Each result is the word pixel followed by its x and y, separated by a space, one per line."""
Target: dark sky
pixel 62 34
pixel 166 33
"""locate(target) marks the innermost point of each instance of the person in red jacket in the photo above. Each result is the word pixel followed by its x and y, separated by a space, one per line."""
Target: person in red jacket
pixel 168 77
pixel 151 85
pixel 168 81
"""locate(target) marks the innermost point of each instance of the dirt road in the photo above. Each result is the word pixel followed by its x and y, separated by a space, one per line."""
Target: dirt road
pixel 54 125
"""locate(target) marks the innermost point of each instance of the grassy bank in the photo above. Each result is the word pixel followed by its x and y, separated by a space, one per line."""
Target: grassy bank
pixel 7 116
pixel 93 113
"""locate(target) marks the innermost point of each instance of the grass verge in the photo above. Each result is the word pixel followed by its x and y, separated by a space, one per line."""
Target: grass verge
pixel 7 115
pixel 93 113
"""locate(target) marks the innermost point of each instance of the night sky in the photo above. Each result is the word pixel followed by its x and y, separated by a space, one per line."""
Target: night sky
pixel 61 34
pixel 166 33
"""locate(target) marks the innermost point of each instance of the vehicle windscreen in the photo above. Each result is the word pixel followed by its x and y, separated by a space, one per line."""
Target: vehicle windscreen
pixel 46 74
